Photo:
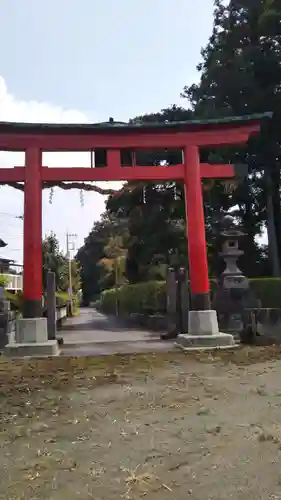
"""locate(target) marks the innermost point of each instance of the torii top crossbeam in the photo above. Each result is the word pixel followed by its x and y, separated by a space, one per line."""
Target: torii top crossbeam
pixel 113 137
pixel 77 137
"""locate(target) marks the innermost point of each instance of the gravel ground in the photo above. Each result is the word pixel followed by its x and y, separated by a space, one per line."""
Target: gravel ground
pixel 163 426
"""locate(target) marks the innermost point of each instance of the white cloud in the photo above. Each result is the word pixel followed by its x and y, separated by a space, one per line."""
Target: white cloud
pixel 65 212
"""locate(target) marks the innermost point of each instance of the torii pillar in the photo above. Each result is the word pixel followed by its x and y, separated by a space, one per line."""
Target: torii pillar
pixel 32 234
pixel 203 330
pixel 31 337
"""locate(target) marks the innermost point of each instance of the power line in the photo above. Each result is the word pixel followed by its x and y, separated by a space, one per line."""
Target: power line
pixel 6 214
pixel 13 236
pixel 14 249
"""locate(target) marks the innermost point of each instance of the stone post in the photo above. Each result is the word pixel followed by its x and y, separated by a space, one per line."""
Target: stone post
pixel 6 320
pixel 51 306
pixel 185 305
pixel 172 313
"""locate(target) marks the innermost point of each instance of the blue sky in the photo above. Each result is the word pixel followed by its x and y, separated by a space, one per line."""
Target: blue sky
pixel 66 60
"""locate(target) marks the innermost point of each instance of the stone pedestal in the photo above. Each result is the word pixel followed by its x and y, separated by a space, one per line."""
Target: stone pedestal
pixel 204 332
pixel 31 339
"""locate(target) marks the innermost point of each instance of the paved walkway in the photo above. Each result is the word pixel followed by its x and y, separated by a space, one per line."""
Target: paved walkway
pixel 92 333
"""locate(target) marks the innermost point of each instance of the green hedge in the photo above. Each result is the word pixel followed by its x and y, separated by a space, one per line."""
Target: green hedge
pixel 150 297
pixel 147 298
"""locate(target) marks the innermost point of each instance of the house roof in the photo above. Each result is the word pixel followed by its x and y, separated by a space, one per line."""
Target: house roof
pixel 3 243
pixel 6 261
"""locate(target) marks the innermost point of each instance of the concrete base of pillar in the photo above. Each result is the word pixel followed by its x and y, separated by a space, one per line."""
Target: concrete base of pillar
pixel 203 332
pixel 31 339
pixel 203 323
pixel 34 350
pixel 219 341
pixel 32 330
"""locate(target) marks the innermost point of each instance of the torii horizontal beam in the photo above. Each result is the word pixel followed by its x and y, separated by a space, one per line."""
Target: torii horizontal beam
pixel 118 173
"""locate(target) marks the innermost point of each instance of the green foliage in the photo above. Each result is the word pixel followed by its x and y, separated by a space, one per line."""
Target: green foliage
pixel 94 276
pixel 4 280
pixel 150 297
pixel 146 298
pixel 54 260
pixel 62 299
pixel 16 300
pixel 75 276
pixel 114 263
pixel 107 301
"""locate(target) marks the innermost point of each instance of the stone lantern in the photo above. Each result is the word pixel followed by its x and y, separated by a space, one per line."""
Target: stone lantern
pixel 232 278
pixel 233 292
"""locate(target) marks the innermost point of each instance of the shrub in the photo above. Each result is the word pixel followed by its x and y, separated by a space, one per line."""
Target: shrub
pixel 108 301
pixel 150 297
pixel 61 299
pixel 143 298
pixel 4 280
pixel 16 300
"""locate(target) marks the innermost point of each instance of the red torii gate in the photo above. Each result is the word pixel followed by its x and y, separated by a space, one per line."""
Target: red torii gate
pixel 188 136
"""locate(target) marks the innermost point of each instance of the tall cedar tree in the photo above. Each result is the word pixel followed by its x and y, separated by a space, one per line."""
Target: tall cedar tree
pixel 241 74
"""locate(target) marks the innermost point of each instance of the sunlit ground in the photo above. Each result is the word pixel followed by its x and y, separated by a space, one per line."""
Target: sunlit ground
pixel 157 426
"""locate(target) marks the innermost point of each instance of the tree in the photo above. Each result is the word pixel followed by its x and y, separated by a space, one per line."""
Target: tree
pixel 75 276
pixel 94 275
pixel 154 236
pixel 114 262
pixel 54 260
pixel 241 74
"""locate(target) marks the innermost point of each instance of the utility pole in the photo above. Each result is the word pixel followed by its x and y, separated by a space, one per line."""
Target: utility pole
pixel 70 249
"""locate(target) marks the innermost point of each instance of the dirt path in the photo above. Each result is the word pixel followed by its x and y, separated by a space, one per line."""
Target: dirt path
pixel 94 334
pixel 164 427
